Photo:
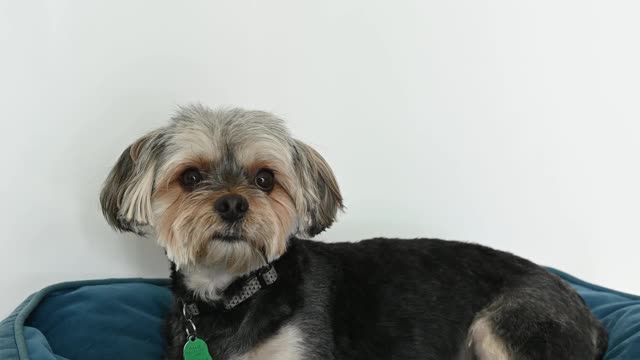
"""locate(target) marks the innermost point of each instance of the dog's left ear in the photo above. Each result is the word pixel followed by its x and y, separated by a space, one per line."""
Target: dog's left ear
pixel 320 191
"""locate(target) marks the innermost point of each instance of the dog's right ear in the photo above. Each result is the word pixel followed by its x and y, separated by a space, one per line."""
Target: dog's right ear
pixel 126 194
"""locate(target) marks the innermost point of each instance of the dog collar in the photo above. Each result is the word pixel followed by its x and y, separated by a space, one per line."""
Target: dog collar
pixel 261 279
pixel 252 284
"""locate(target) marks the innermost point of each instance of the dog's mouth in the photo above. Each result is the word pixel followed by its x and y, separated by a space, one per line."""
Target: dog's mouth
pixel 226 237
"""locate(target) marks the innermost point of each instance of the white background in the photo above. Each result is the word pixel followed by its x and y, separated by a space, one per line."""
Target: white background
pixel 511 124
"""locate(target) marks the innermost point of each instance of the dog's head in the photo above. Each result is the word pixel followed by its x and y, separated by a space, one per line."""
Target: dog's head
pixel 221 187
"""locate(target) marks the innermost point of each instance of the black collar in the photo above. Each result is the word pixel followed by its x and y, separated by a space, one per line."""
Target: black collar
pixel 237 292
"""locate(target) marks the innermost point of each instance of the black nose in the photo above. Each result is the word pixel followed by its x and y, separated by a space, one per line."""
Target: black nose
pixel 231 207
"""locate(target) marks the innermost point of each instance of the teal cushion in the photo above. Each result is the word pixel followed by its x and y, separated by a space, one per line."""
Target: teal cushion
pixel 619 313
pixel 123 319
pixel 103 319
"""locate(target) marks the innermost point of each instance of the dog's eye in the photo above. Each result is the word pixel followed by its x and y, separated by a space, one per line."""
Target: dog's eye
pixel 264 180
pixel 190 178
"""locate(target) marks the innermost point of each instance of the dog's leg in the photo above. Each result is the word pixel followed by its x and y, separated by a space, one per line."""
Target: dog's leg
pixel 482 343
pixel 532 325
pixel 485 344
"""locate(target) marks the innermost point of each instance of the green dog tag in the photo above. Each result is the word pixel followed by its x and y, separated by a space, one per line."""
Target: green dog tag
pixel 196 349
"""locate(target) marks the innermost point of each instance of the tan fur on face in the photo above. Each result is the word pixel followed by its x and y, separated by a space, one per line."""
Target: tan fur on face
pixel 229 147
pixel 288 196
pixel 187 224
pixel 186 221
pixel 276 212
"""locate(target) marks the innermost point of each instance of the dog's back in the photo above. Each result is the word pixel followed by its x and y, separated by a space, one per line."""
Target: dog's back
pixel 427 298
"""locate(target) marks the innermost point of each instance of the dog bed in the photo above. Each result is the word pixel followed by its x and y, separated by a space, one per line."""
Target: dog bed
pixel 124 319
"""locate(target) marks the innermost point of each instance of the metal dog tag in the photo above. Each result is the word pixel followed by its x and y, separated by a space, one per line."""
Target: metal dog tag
pixel 196 349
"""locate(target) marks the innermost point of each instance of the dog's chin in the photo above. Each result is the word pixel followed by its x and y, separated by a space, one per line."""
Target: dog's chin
pixel 234 253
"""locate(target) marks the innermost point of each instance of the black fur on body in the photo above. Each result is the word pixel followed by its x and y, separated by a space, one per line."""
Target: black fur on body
pixel 399 299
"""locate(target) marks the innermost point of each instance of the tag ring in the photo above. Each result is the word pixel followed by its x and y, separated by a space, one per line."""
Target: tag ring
pixel 193 326
pixel 184 309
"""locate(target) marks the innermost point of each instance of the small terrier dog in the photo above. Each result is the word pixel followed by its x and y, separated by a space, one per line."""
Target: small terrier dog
pixel 231 196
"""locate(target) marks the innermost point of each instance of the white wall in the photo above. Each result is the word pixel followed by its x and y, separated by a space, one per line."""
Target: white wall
pixel 512 124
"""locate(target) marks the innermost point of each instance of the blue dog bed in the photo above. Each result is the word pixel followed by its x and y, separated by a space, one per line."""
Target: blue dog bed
pixel 124 319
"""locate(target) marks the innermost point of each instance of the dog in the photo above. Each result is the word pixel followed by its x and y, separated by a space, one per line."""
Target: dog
pixel 232 197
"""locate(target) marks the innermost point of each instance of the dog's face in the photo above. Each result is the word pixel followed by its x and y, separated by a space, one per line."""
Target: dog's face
pixel 217 188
